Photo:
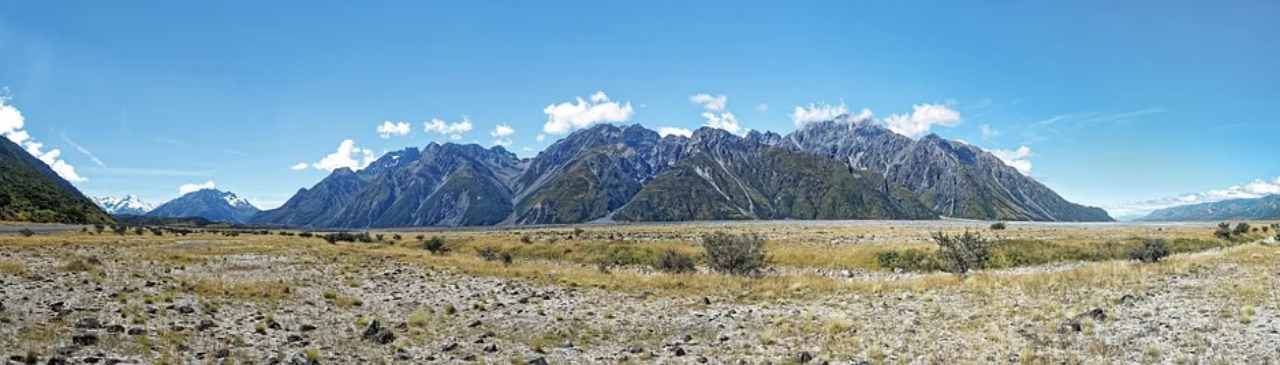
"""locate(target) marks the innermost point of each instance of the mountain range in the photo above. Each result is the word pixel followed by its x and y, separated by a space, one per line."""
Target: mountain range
pixel 31 191
pixel 1267 207
pixel 126 205
pixel 212 204
pixel 845 168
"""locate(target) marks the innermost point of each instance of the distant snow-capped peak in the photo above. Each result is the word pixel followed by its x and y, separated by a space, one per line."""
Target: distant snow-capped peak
pixel 128 204
pixel 236 201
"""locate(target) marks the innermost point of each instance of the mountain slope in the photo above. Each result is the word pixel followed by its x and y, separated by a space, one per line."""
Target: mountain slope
pixel 591 173
pixel 126 205
pixel 211 204
pixel 728 177
pixel 1267 207
pixel 31 191
pixel 952 178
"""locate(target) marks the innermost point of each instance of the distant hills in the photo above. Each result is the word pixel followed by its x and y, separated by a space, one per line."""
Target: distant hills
pixel 839 169
pixel 31 191
pixel 126 205
pixel 211 204
pixel 1263 208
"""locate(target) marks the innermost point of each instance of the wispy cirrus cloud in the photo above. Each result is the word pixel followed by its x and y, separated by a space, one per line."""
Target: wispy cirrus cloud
pixel 83 150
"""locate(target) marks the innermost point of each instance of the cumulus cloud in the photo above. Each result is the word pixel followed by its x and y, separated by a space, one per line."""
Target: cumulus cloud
pixel 389 129
pixel 1018 159
pixel 819 112
pixel 300 166
pixel 565 117
pixel 11 127
pixel 920 121
pixel 1256 189
pixel 716 112
pixel 668 131
pixel 716 103
pixel 502 130
pixel 504 142
pixel 453 130
pixel 540 137
pixel 347 155
pixel 194 187
pixel 988 132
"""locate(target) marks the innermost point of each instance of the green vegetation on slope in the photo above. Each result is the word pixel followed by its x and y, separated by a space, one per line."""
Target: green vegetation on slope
pixel 779 184
pixel 28 195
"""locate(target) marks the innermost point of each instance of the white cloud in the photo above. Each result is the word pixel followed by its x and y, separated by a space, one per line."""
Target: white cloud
pixel 565 117
pixel 725 121
pixel 920 121
pixel 85 151
pixel 189 188
pixel 717 113
pixel 388 129
pixel 502 142
pixel 763 108
pixel 526 149
pixel 667 131
pixel 1018 159
pixel 300 166
pixel 1256 189
pixel 502 130
pixel 716 103
pixel 11 124
pixel 988 132
pixel 453 130
pixel 818 113
pixel 347 155
pixel 540 137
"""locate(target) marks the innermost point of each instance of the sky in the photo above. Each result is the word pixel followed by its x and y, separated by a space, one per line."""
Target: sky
pixel 1126 105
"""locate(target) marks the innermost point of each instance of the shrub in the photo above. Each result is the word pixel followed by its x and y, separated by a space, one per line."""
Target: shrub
pixel 998 226
pixel 379 236
pixel 305 235
pixel 506 257
pixel 99 228
pixel 138 230
pixel 959 254
pixel 526 239
pixel 26 232
pixel 735 254
pixel 675 263
pixel 487 253
pixel 435 245
pixel 1151 251
pixel 1224 230
pixel 1241 228
pixel 908 260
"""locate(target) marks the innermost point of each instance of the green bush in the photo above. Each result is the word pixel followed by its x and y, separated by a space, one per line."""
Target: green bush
pixel 675 263
pixel 908 260
pixel 26 232
pixel 742 255
pixel 487 253
pixel 1241 228
pixel 1151 251
pixel 961 253
pixel 998 226
pixel 435 245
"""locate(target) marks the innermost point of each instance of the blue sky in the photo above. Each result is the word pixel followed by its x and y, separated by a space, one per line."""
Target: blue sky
pixel 1116 103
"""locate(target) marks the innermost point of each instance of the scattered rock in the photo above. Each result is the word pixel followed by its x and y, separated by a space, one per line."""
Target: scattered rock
pixel 449 347
pixel 87 339
pixel 205 324
pixel 537 361
pixel 804 357
pixel 88 323
pixel 307 328
pixel 678 351
pixel 491 348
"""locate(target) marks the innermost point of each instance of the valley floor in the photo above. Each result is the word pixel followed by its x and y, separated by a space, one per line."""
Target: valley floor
pixel 209 298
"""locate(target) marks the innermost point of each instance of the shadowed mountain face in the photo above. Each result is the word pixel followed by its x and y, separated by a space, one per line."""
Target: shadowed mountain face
pixel 831 170
pixel 1267 207
pixel 211 204
pixel 31 191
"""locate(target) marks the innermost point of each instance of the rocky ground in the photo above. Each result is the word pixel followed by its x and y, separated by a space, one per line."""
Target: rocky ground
pixel 67 298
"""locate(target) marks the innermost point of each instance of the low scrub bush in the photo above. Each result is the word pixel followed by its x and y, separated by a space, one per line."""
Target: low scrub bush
pixel 675 263
pixel 961 253
pixel 1151 251
pixel 742 255
pixel 908 260
pixel 435 245
pixel 999 226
